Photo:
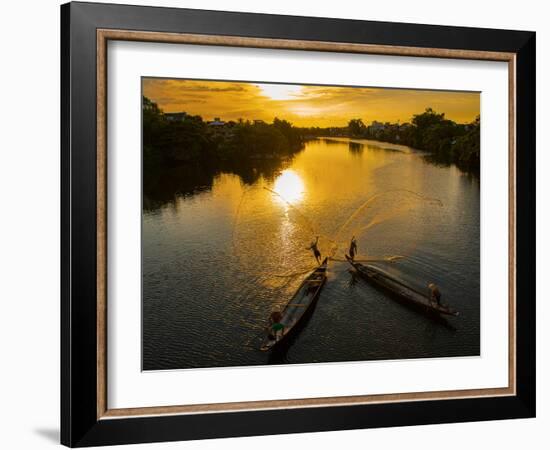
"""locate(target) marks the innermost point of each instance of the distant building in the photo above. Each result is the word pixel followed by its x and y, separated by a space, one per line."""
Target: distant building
pixel 216 122
pixel 258 122
pixel 377 126
pixel 176 117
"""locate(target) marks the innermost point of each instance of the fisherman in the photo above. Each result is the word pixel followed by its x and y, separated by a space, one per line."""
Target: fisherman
pixel 352 248
pixel 315 249
pixel 435 295
pixel 276 325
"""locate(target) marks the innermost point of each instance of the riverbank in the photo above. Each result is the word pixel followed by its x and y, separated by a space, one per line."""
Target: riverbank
pixel 445 141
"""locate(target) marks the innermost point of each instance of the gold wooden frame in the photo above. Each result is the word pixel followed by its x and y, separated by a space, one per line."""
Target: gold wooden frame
pixel 103 36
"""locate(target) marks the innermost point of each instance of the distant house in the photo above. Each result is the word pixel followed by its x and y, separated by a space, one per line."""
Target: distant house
pixel 216 122
pixel 176 117
pixel 258 122
pixel 377 126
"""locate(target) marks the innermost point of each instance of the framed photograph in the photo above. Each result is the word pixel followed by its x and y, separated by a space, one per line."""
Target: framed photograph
pixel 276 224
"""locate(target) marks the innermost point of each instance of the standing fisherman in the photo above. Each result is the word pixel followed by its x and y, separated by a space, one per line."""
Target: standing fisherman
pixel 315 249
pixel 352 248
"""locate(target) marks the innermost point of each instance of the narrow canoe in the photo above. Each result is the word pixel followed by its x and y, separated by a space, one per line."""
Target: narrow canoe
pixel 402 292
pixel 299 306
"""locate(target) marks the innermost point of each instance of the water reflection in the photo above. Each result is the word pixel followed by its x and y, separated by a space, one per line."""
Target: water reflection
pixel 289 188
pixel 356 148
pixel 223 245
pixel 164 186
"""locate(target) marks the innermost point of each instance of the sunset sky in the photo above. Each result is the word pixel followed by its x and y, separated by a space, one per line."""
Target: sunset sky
pixel 305 105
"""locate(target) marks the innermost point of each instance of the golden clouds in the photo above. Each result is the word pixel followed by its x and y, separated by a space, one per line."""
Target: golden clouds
pixel 305 105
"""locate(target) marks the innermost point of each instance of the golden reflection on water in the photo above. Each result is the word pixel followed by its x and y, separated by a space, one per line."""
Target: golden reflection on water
pixel 327 191
pixel 289 188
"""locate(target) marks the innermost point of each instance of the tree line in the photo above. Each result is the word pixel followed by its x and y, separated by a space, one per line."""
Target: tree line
pixel 445 140
pixel 190 139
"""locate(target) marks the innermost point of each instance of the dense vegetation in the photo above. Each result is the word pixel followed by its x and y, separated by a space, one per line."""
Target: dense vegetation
pixel 445 140
pixel 192 140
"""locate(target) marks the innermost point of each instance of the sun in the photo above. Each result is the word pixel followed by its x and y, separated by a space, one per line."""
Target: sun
pixel 280 91
pixel 289 188
pixel 304 110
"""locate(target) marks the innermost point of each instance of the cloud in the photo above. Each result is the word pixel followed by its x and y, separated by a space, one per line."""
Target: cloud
pixel 204 88
pixel 305 105
pixel 193 85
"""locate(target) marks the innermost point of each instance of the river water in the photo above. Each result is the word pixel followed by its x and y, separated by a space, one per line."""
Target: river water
pixel 221 248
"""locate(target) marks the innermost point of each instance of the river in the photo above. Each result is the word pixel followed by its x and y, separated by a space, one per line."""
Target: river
pixel 221 248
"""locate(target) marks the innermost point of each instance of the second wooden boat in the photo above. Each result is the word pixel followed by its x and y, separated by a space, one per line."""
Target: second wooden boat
pixel 402 292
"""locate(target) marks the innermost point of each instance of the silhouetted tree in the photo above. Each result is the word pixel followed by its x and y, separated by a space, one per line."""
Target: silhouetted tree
pixel 356 128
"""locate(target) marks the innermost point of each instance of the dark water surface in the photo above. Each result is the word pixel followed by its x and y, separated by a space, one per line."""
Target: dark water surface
pixel 220 253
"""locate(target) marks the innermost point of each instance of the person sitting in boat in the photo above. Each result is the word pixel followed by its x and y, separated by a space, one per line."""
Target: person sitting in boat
pixel 315 250
pixel 352 248
pixel 435 295
pixel 276 326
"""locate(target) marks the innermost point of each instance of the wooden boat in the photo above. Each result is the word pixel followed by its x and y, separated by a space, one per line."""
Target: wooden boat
pixel 403 293
pixel 300 305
